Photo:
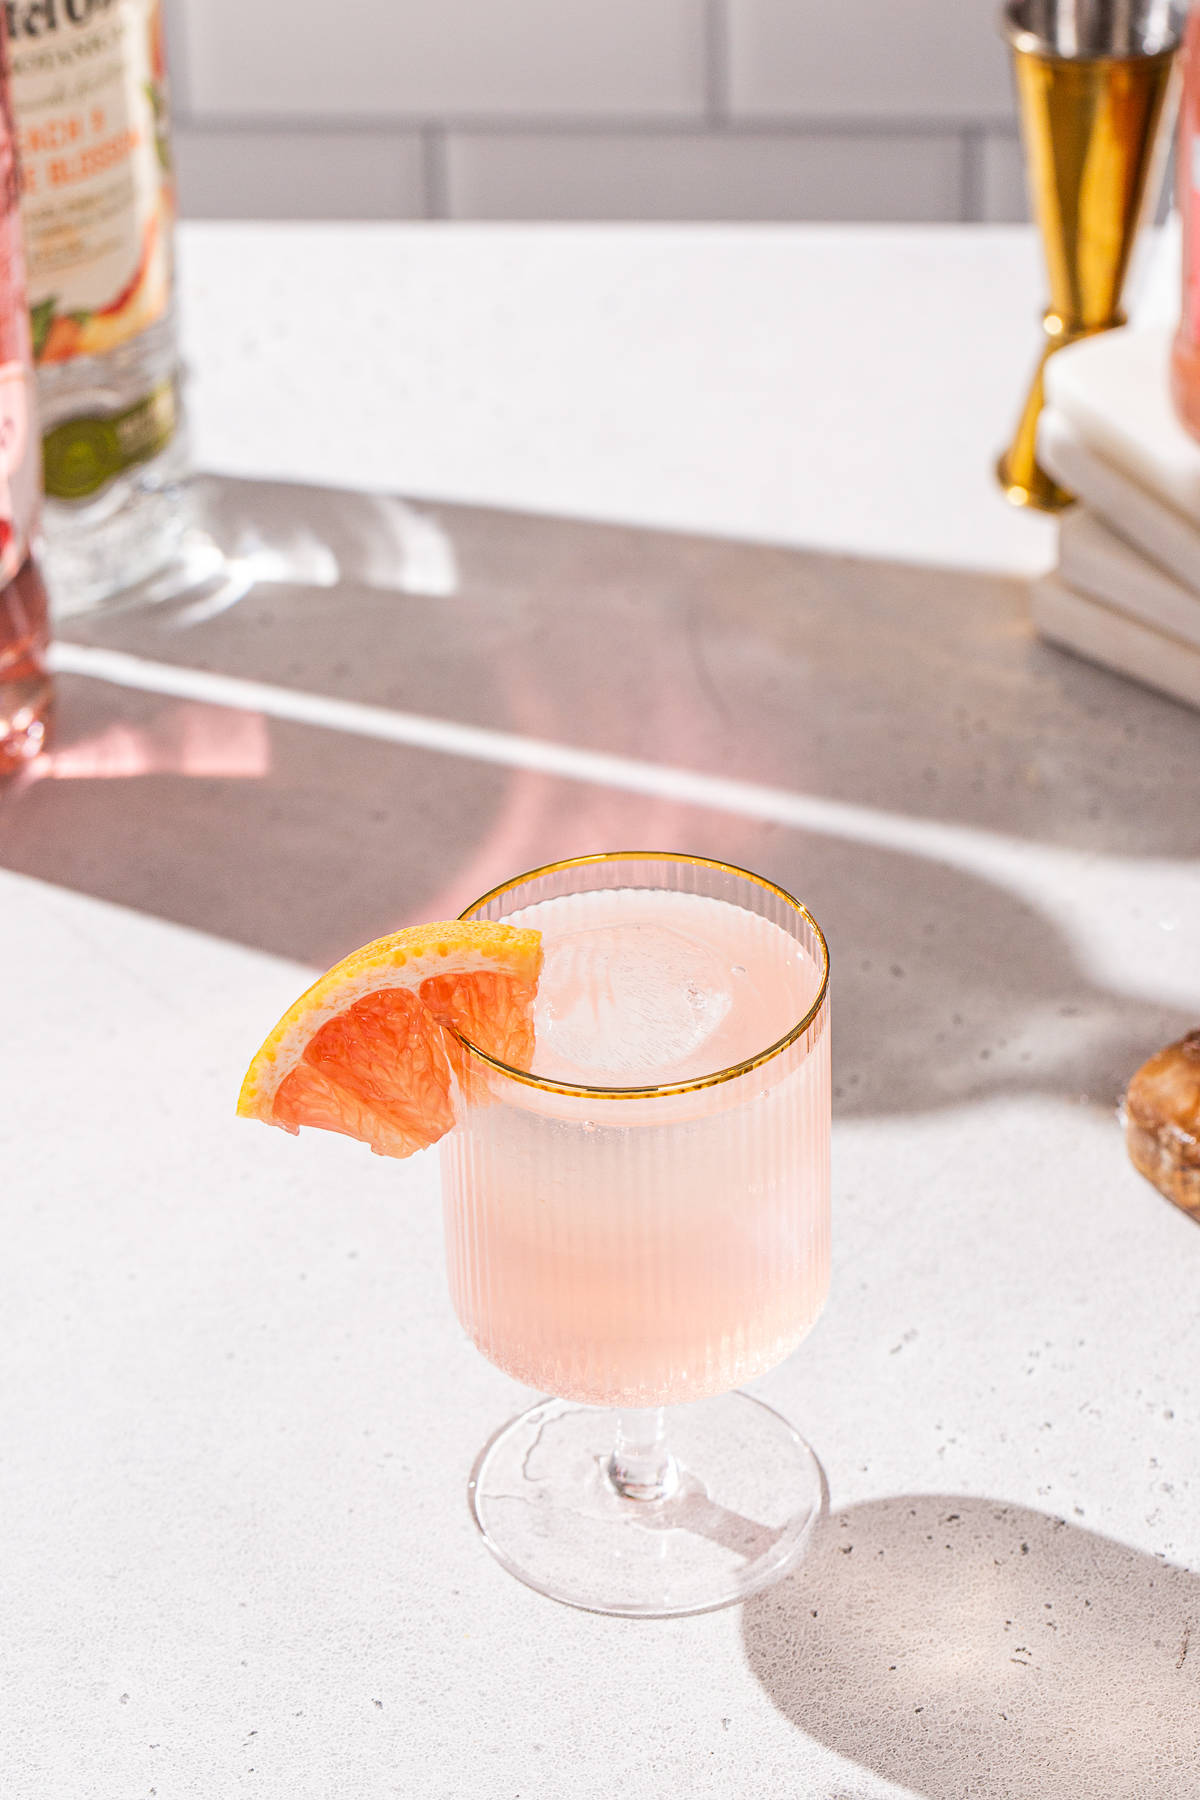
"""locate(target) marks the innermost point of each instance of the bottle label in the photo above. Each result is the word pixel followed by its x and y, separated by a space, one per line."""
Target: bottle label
pixel 19 495
pixel 81 454
pixel 90 96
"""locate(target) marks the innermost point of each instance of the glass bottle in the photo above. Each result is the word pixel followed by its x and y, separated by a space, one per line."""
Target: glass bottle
pixel 89 87
pixel 26 693
pixel 1185 352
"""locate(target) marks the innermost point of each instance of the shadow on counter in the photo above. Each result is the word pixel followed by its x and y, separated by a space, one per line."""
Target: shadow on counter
pixel 917 692
pixel 911 695
pixel 963 1646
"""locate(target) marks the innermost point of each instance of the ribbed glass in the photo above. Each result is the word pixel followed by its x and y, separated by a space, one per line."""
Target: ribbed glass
pixel 643 1247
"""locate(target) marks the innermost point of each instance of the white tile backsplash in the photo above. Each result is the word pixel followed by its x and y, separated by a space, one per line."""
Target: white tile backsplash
pixel 265 174
pixel 711 176
pixel 885 59
pixel 568 109
pixel 434 58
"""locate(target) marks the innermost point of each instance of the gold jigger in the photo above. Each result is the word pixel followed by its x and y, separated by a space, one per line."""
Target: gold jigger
pixel 1092 79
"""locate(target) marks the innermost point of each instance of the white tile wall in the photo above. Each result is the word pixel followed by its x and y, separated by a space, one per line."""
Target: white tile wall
pixel 429 58
pixel 856 109
pixel 711 176
pixel 300 175
pixel 885 59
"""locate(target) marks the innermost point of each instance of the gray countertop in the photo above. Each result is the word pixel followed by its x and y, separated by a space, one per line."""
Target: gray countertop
pixel 239 1415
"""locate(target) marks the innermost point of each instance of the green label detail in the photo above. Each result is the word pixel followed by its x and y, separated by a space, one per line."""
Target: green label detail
pixel 80 455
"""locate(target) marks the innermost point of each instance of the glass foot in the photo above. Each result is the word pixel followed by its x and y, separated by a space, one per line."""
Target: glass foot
pixel 745 1494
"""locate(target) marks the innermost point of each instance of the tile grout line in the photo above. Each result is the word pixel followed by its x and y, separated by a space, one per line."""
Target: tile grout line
pixel 863 125
pixel 434 184
pixel 971 194
pixel 716 63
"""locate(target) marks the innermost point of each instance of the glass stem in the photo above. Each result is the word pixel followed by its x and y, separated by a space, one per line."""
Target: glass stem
pixel 641 1467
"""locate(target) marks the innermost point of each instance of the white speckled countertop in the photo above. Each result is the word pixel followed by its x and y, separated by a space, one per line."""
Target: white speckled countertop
pixel 778 617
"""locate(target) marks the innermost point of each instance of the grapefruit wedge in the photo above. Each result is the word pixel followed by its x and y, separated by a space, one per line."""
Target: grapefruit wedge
pixel 369 1049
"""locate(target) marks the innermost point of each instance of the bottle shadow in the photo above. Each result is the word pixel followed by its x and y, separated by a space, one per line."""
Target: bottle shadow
pixel 912 690
pixel 906 695
pixel 964 1646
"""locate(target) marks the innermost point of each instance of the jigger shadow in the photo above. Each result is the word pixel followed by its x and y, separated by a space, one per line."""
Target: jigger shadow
pixel 974 1650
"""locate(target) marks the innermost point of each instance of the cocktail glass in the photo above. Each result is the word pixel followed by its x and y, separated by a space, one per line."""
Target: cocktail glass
pixel 632 1248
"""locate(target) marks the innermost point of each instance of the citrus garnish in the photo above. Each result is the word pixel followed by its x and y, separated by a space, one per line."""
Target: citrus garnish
pixel 367 1051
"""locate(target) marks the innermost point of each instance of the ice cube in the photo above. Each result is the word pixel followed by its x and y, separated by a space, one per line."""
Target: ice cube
pixel 630 1006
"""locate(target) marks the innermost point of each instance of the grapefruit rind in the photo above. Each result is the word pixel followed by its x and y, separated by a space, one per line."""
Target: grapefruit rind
pixel 405 960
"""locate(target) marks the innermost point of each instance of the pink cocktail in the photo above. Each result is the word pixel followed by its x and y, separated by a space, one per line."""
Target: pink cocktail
pixel 642 1219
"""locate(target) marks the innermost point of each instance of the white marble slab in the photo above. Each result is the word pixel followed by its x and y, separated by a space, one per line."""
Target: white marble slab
pixel 1115 639
pixel 1112 393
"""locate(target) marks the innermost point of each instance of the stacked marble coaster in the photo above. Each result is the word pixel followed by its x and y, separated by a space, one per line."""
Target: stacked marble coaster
pixel 1126 591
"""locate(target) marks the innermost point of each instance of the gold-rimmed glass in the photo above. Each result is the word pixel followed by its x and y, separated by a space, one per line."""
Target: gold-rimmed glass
pixel 627 1249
